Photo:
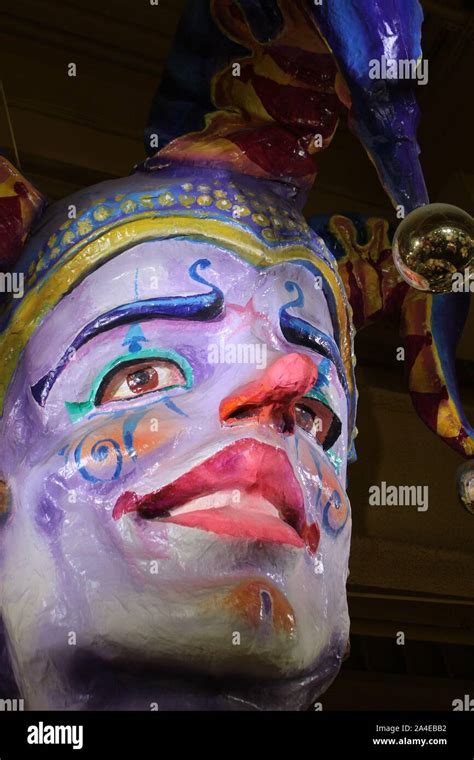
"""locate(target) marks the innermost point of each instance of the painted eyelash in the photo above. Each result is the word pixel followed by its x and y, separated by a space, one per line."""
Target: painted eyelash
pixel 78 409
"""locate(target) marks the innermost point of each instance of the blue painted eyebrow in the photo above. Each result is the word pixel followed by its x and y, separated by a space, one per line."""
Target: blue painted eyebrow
pixel 199 307
pixel 301 333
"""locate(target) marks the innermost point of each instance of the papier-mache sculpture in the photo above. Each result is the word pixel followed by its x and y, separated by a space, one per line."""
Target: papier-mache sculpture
pixel 177 381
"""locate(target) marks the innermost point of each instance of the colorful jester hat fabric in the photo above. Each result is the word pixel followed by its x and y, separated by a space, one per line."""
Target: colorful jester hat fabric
pixel 254 89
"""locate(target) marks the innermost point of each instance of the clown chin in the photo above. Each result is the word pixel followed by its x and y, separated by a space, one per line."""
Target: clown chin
pixel 260 631
pixel 216 672
pixel 127 679
pixel 120 685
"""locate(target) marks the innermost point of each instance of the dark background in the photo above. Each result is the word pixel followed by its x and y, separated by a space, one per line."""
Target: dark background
pixel 410 571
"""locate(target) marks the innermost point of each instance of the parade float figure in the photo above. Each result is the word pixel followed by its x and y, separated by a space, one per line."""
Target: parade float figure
pixel 177 381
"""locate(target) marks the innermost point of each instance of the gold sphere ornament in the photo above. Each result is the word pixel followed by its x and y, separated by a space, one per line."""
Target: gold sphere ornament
pixel 465 485
pixel 432 245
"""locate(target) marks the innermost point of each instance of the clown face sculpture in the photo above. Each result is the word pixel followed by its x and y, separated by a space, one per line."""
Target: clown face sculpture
pixel 177 445
pixel 178 397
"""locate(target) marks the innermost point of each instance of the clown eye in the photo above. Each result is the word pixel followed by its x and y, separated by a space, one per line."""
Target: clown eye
pixel 319 421
pixel 132 379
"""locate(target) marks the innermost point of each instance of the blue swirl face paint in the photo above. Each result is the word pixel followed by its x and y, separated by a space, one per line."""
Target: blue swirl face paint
pixel 335 514
pixel 104 452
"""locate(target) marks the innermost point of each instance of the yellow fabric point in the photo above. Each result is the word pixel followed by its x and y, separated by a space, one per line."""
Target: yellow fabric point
pixel 448 424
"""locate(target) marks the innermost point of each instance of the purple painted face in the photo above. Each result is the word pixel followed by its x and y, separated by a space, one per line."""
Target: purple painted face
pixel 176 451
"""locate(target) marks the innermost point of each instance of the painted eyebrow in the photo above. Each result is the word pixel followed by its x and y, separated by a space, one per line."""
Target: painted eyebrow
pixel 302 333
pixel 199 307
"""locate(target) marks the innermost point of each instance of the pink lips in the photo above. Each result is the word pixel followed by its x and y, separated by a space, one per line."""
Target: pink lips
pixel 255 470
